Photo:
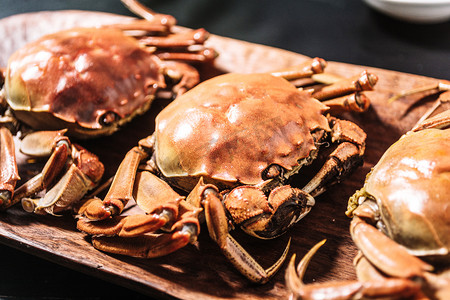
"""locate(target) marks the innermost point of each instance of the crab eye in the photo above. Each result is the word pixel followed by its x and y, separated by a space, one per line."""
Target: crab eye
pixel 272 171
pixel 109 118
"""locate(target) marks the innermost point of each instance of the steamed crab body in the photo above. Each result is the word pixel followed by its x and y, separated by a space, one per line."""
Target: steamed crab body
pixel 231 143
pixel 76 79
pixel 401 221
pixel 87 82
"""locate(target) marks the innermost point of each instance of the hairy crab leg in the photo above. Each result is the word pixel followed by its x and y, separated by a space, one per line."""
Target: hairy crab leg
pixel 51 144
pixel 346 94
pixel 66 192
pixel 375 289
pixel 351 140
pixel 9 174
pixel 136 27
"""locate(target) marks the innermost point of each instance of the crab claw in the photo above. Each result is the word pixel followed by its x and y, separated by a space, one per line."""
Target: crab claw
pixel 267 217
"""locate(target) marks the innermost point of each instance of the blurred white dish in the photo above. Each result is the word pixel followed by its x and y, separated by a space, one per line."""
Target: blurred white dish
pixel 418 11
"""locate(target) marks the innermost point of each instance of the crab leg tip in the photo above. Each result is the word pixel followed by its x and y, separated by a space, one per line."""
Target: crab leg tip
pixel 318 65
pixel 302 266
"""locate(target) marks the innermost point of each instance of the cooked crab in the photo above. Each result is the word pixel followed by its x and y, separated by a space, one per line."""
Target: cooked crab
pixel 232 142
pixel 400 223
pixel 89 81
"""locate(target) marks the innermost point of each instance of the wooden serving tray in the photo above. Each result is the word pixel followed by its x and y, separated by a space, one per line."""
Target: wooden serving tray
pixel 200 271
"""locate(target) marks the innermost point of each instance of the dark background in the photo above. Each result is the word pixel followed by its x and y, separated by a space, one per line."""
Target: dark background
pixel 345 31
pixel 341 30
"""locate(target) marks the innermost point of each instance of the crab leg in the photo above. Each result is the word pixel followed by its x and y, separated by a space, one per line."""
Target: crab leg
pixel 441 120
pixel 343 159
pixel 188 42
pixel 398 288
pixel 356 102
pixel 304 70
pixel 339 94
pixel 438 87
pixel 67 175
pixel 84 172
pixel 140 25
pixel 363 82
pixel 8 173
pixel 384 253
pixel 146 13
pixel 185 75
pixel 121 190
pixel 182 39
pixel 40 144
pixel 167 210
pixel 151 246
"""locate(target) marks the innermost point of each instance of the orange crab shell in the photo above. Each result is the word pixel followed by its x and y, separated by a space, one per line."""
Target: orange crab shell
pixel 75 77
pixel 411 184
pixel 232 127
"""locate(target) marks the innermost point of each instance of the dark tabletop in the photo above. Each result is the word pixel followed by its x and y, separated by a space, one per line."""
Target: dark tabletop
pixel 345 31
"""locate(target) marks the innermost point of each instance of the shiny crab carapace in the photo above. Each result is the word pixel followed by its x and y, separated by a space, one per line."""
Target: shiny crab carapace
pixel 231 143
pixel 87 82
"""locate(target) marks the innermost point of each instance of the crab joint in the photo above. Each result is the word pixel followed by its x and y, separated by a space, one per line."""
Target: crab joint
pixel 357 102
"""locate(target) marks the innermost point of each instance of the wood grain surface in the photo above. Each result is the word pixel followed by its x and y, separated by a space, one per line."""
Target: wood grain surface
pixel 199 271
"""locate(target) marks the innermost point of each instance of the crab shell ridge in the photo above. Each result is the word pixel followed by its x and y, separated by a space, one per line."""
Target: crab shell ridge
pixel 232 127
pixel 72 78
pixel 411 184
